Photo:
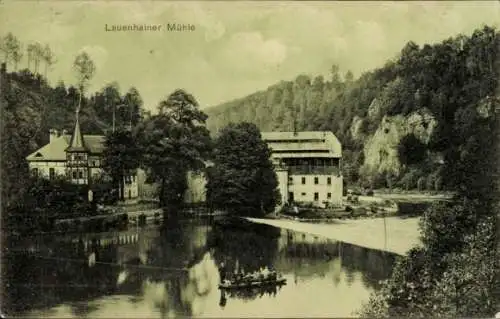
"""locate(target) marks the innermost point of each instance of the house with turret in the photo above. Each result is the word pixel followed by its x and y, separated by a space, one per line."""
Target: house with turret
pixel 77 157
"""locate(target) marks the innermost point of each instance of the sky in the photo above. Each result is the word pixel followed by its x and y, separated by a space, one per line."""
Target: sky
pixel 236 48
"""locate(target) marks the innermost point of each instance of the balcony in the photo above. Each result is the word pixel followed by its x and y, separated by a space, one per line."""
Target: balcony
pixel 313 169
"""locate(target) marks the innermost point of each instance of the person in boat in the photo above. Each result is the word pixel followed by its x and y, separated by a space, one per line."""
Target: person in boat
pixel 222 271
pixel 223 299
pixel 240 276
pixel 265 271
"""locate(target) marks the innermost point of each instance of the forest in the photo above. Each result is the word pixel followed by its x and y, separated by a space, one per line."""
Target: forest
pixel 399 124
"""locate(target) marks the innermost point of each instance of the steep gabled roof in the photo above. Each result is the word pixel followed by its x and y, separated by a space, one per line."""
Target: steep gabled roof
pixel 56 150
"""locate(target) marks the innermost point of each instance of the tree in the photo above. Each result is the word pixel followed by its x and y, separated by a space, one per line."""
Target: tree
pixel 349 77
pixel 37 52
pixel 334 70
pixel 17 55
pixel 134 103
pixel 21 121
pixel 242 180
pixel 174 142
pixel 112 106
pixel 30 50
pixel 47 57
pixel 85 69
pixel 11 48
pixel 121 157
pixel 182 108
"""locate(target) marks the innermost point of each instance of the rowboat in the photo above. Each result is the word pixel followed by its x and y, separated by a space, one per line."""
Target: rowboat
pixel 251 284
pixel 252 281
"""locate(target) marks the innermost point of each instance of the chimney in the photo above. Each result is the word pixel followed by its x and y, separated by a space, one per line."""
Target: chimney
pixel 53 134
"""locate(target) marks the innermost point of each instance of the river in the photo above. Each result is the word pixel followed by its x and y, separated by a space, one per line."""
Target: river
pixel 173 271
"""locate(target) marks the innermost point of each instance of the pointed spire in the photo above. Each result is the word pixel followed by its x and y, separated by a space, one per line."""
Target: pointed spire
pixel 77 143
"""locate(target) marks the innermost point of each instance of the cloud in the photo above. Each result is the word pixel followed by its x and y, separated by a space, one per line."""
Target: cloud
pixel 371 35
pixel 214 31
pixel 247 50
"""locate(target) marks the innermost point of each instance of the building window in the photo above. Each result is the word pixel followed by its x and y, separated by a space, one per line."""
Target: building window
pixel 316 196
pixel 303 180
pixel 80 174
pixel 74 174
pixel 329 195
pixel 303 194
pixel 52 173
pixel 94 164
pixel 290 180
pixel 35 171
pixel 316 181
pixel 329 181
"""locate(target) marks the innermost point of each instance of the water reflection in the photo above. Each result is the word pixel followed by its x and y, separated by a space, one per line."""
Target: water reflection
pixel 175 271
pixel 308 255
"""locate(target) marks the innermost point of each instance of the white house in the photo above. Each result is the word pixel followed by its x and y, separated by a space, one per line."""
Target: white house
pixel 77 157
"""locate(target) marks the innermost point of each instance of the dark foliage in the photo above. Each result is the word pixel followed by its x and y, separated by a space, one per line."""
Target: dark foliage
pixel 44 201
pixel 121 157
pixel 242 180
pixel 174 142
pixel 455 273
pixel 411 150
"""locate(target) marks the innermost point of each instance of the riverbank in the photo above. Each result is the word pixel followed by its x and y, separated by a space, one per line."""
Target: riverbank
pixel 400 236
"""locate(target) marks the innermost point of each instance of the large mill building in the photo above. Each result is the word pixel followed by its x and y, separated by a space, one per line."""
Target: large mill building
pixel 308 165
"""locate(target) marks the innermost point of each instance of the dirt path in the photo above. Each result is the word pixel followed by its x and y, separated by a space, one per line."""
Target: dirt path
pixel 400 236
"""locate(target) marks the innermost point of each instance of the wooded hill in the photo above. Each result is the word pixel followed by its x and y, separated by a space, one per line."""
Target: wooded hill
pixel 30 107
pixel 400 124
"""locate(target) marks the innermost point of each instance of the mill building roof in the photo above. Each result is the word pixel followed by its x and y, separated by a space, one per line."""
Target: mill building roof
pixel 303 144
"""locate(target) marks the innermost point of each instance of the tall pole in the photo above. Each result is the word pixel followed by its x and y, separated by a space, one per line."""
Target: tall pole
pixel 385 233
pixel 130 117
pixel 114 113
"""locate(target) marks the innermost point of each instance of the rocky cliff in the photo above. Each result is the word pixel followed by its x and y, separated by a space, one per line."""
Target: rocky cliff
pixel 381 149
